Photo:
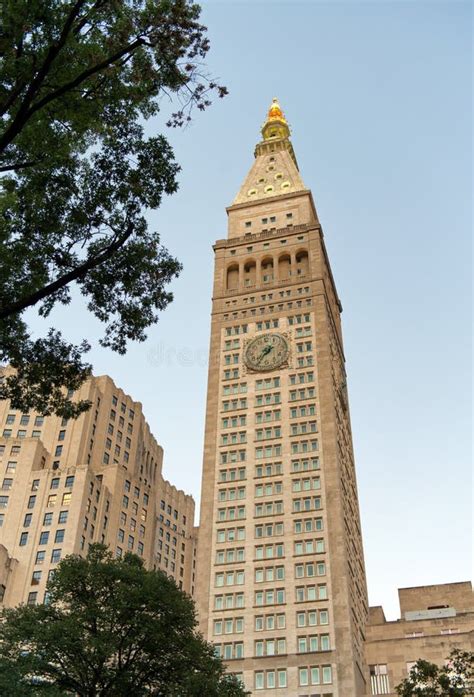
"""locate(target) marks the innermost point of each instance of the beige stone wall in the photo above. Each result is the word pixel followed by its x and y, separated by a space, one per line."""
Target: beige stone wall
pixel 441 618
pixel 251 299
pixel 67 484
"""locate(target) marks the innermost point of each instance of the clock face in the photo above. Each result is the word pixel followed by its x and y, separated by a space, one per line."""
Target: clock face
pixel 266 352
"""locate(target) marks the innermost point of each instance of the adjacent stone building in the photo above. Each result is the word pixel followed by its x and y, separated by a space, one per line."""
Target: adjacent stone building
pixel 65 484
pixel 433 621
pixel 281 586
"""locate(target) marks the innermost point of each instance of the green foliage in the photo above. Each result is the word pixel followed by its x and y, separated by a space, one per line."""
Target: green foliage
pixel 110 628
pixel 77 80
pixel 454 679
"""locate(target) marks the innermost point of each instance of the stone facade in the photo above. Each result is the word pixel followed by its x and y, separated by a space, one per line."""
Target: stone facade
pixel 66 484
pixel 433 621
pixel 281 587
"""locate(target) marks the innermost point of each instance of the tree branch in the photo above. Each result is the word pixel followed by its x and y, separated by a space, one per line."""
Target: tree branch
pixel 23 113
pixel 85 75
pixel 72 275
pixel 18 165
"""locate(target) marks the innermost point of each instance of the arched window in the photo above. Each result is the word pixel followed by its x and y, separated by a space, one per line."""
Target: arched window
pixel 267 270
pixel 233 277
pixel 302 263
pixel 250 273
pixel 284 267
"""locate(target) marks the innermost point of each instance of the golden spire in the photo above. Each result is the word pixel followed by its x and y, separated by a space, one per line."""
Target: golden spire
pixel 276 125
pixel 275 111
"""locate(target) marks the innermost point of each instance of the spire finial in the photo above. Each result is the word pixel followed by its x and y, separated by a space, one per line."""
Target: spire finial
pixel 275 112
pixel 275 126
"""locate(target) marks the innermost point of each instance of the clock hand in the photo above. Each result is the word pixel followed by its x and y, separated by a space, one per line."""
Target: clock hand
pixel 265 351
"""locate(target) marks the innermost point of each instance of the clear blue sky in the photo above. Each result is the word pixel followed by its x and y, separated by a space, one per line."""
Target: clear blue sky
pixel 378 95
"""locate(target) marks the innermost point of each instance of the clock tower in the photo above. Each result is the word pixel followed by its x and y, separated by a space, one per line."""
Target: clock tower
pixel 281 587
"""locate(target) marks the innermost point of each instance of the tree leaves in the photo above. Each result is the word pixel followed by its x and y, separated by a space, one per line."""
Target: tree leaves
pixel 454 679
pixel 77 79
pixel 111 628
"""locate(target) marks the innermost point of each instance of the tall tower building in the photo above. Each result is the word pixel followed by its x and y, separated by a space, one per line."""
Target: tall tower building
pixel 281 586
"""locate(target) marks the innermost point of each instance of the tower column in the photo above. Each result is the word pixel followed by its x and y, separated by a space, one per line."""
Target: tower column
pixel 279 529
pixel 258 273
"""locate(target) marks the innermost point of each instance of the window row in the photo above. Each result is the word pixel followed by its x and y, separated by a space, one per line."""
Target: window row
pixel 234 389
pixel 231 404
pixel 271 596
pixel 305 464
pixel 309 484
pixel 234 421
pixel 311 593
pixel 232 625
pixel 268 433
pixel 303 410
pixel 270 573
pixel 229 578
pixel 269 679
pixel 312 618
pixel 307 504
pixel 269 470
pixel 305 393
pixel 231 494
pixel 262 400
pixel 41 556
pixel 265 416
pixel 268 489
pixel 231 513
pixel 270 647
pixel 303 427
pixel 315 675
pixel 230 555
pixel 304 446
pixel 234 438
pixel 268 508
pixel 230 456
pixel 24 419
pixel 267 383
pixel 229 601
pixel 232 475
pixel 301 378
pixel 268 451
pixel 229 651
pixel 44 537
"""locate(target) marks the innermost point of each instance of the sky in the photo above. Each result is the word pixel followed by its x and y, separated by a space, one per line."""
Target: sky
pixel 379 99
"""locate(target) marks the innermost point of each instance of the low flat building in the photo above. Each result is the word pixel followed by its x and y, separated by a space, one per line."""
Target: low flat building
pixel 65 484
pixel 433 621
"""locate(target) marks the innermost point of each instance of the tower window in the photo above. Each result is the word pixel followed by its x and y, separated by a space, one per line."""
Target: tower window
pixel 264 221
pixel 248 223
pixel 289 215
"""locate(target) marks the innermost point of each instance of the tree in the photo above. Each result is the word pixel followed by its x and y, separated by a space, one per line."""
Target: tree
pixel 454 679
pixel 78 78
pixel 110 628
